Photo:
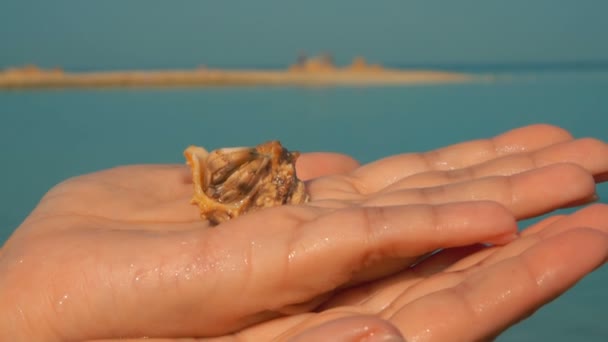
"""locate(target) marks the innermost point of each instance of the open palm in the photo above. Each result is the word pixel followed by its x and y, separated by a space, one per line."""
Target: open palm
pixel 119 253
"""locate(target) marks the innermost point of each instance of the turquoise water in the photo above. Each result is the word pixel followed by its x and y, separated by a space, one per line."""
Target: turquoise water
pixel 71 132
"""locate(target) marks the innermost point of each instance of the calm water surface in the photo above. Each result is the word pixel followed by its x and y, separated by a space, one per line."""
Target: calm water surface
pixel 48 136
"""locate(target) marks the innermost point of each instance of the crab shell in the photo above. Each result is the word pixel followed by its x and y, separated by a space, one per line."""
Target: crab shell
pixel 229 182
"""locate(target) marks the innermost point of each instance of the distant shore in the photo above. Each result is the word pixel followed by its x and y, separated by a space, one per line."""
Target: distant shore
pixel 309 74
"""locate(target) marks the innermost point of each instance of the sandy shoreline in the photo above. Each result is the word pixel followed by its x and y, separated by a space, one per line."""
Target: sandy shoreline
pixel 15 79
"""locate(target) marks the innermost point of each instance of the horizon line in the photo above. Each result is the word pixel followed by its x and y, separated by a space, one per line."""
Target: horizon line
pixel 482 66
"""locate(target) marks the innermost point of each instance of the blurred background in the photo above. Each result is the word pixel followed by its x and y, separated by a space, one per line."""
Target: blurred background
pixel 549 60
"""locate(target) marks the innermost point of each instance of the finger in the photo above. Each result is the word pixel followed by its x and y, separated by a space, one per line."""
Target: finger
pixel 487 302
pixel 332 250
pixel 491 255
pixel 591 154
pixel 378 175
pixel 318 164
pixel 526 194
pixel 351 329
pixel 264 266
pixel 595 215
pixel 408 232
pixel 454 260
pixel 462 259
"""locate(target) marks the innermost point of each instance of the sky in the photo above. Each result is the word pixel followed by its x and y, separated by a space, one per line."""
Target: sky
pixel 115 34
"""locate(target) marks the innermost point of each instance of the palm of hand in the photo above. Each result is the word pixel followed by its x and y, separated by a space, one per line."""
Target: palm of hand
pixel 128 233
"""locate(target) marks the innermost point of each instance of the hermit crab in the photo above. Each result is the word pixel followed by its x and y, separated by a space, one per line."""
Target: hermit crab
pixel 229 182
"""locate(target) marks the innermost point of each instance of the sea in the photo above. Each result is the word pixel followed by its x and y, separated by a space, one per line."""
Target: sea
pixel 47 136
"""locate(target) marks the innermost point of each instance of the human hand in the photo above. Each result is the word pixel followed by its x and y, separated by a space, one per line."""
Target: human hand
pixel 461 294
pixel 124 245
pixel 468 293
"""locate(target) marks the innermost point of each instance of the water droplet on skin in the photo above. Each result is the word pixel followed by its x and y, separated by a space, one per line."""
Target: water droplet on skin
pixel 61 302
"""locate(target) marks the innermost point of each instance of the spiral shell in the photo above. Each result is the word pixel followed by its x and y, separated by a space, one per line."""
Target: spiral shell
pixel 229 182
